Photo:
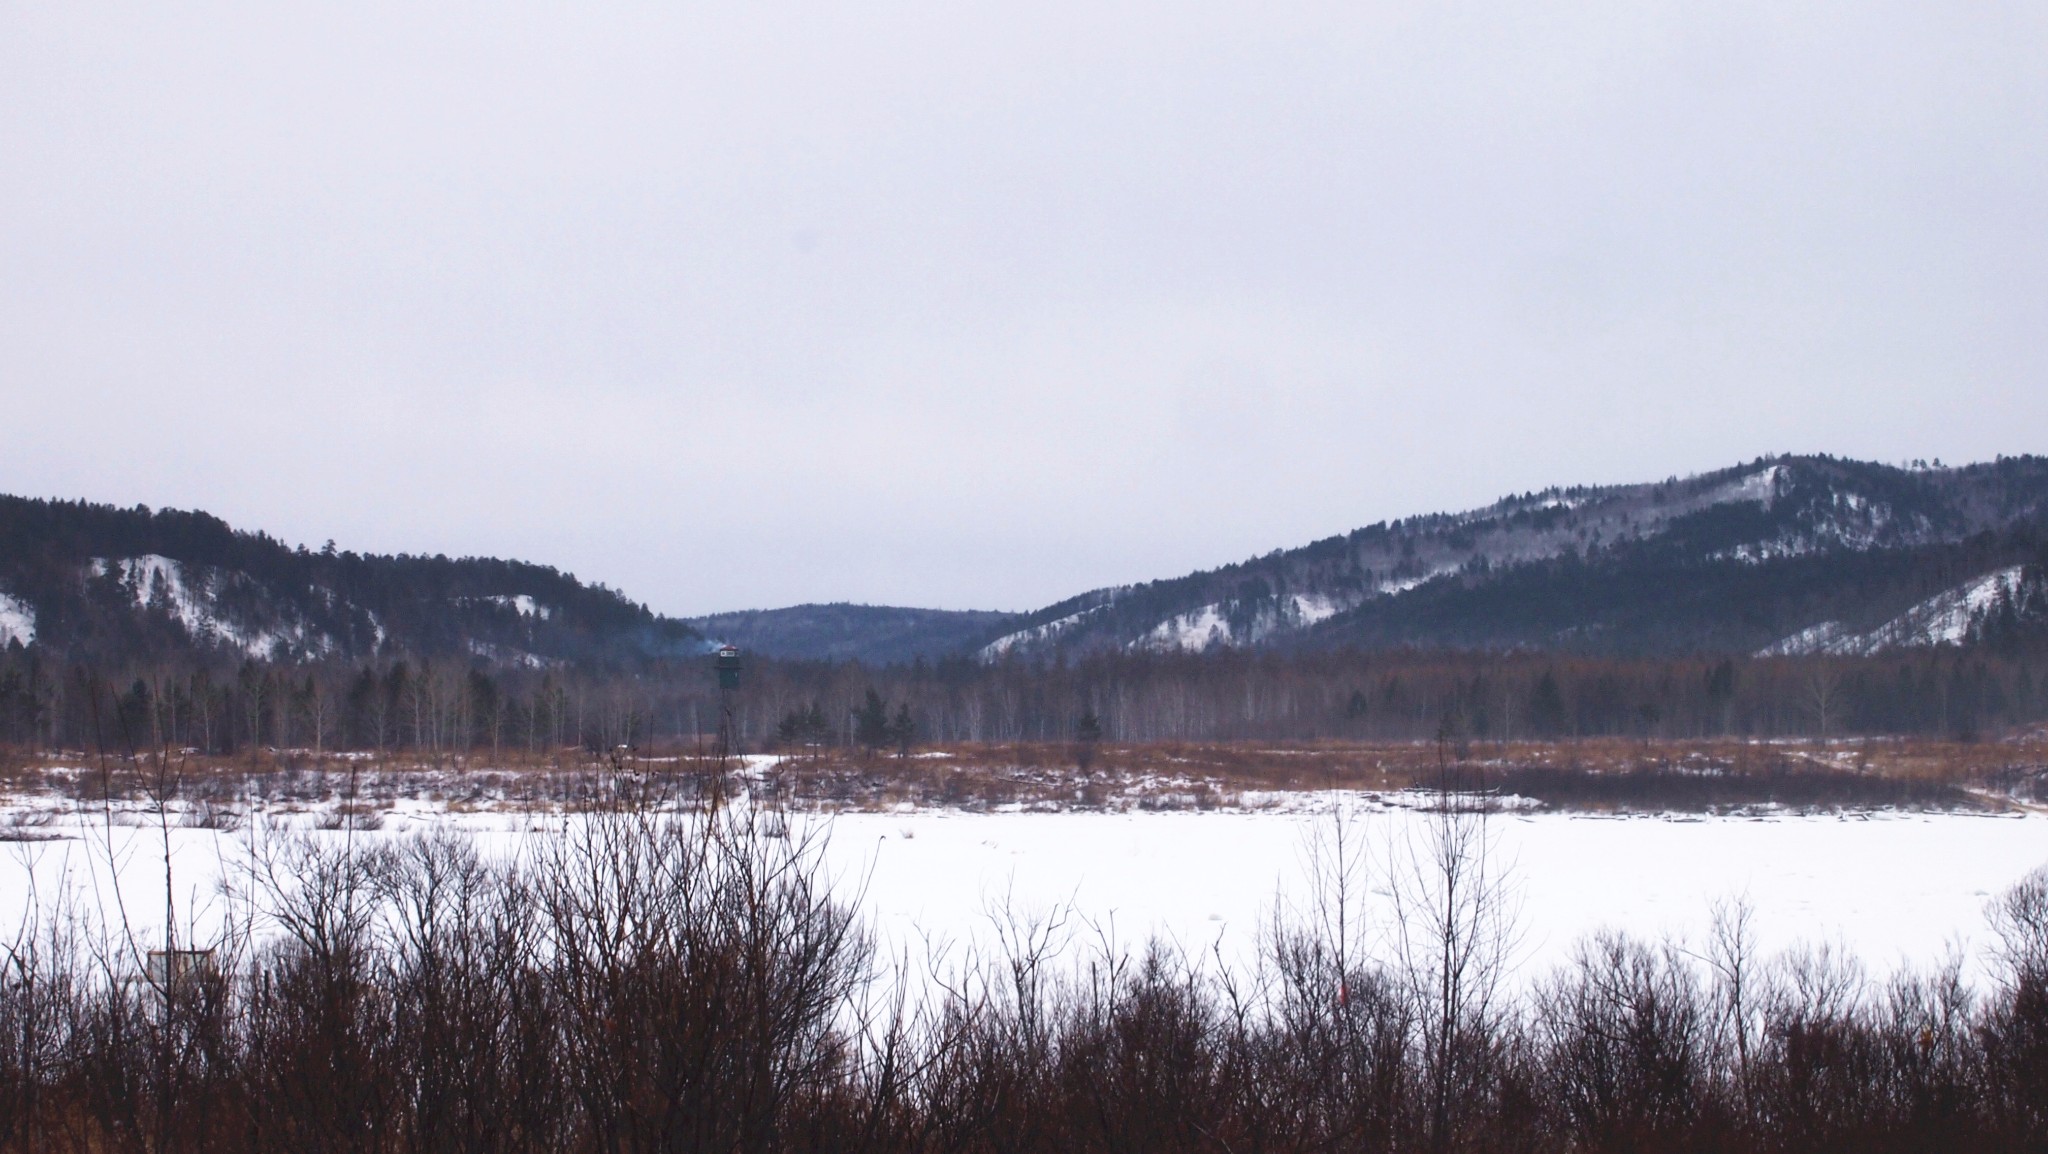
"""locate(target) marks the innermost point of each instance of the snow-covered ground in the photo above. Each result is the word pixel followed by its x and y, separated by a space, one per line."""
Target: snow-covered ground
pixel 1891 888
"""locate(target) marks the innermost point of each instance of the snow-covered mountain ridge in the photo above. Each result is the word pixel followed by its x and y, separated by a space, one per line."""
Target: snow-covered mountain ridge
pixel 1516 572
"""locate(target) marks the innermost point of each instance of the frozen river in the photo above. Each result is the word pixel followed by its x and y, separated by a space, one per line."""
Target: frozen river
pixel 1890 887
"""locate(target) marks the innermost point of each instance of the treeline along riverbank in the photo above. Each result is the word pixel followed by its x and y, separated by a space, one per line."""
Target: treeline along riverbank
pixel 220 706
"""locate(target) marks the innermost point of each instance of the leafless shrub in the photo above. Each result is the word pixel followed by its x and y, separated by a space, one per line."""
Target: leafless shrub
pixel 2016 1032
pixel 1454 928
pixel 1625 1035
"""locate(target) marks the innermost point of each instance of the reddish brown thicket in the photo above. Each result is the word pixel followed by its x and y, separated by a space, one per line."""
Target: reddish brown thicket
pixel 1594 774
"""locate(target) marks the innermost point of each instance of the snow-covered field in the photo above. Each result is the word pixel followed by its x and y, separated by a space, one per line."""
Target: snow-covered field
pixel 1891 888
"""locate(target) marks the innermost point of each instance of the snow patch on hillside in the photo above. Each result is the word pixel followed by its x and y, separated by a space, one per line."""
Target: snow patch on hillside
pixel 1034 635
pixel 159 583
pixel 164 584
pixel 1760 486
pixel 525 606
pixel 1759 552
pixel 17 621
pixel 1821 638
pixel 1310 608
pixel 1190 632
pixel 1943 619
pixel 1406 583
pixel 1211 625
pixel 506 655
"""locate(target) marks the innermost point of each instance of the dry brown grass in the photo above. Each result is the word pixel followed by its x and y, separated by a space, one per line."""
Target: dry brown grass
pixel 1160 775
pixel 1381 765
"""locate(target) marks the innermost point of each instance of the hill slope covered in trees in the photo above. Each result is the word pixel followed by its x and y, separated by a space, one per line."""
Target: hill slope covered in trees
pixel 97 583
pixel 1735 561
pixel 1782 556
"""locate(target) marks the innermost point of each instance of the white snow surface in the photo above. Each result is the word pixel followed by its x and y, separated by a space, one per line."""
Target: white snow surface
pixel 1190 632
pixel 1891 888
pixel 17 621
pixel 524 605
pixel 1943 619
pixel 1310 608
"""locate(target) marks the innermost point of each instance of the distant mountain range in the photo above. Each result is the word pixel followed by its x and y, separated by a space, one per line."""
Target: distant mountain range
pixel 876 634
pixel 1787 555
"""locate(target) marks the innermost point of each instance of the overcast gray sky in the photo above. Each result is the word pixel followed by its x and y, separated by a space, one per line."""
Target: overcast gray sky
pixel 972 305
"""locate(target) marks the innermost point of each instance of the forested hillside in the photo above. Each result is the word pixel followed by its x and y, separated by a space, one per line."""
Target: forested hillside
pixel 1795 597
pixel 99 584
pixel 1732 561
